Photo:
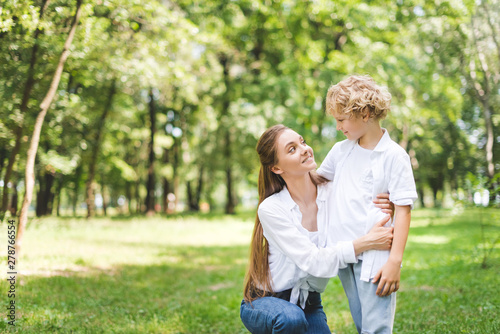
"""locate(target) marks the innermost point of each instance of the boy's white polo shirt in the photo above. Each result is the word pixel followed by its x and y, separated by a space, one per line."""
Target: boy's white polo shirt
pixel 391 172
pixel 295 262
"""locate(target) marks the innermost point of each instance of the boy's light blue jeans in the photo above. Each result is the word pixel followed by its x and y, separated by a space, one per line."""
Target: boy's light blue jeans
pixel 371 313
pixel 275 315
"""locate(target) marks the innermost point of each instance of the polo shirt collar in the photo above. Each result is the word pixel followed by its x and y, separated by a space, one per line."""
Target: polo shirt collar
pixel 384 142
pixel 322 193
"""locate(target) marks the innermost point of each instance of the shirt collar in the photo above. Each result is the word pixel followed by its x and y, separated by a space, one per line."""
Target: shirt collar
pixel 322 192
pixel 287 198
pixel 384 142
pixel 382 145
pixel 290 203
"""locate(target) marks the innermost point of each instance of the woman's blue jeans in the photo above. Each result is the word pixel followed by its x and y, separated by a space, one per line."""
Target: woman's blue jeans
pixel 275 315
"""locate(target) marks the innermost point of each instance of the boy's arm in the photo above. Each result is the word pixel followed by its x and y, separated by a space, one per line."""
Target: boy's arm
pixel 327 168
pixel 390 273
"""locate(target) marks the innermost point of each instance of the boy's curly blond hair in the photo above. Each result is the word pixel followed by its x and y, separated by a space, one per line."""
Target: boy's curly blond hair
pixel 358 95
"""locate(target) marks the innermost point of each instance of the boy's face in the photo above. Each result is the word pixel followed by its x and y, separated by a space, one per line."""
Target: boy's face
pixel 352 126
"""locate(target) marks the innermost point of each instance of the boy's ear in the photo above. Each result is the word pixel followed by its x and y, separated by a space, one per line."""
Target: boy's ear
pixel 366 116
pixel 276 170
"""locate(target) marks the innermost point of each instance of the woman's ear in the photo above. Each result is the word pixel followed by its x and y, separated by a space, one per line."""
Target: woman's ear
pixel 276 170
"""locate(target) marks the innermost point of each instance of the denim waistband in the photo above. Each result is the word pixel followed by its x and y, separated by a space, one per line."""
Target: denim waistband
pixel 285 295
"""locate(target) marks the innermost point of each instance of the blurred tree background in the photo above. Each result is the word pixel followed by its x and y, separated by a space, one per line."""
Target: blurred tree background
pixel 160 103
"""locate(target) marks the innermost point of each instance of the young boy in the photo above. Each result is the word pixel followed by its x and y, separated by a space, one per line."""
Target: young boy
pixel 364 165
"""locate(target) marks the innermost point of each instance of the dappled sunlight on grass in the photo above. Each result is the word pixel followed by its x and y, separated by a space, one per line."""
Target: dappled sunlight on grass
pixel 162 275
pixel 58 245
pixel 146 298
pixel 135 276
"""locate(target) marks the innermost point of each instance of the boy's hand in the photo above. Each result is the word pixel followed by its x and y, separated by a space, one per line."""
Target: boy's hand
pixel 389 276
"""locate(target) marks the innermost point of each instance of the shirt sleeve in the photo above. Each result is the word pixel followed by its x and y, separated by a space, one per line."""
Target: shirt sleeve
pixel 402 188
pixel 327 168
pixel 280 230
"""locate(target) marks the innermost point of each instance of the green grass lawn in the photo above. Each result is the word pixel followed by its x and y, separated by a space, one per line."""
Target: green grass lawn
pixel 185 275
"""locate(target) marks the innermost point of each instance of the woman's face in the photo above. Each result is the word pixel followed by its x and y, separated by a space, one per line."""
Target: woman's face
pixel 295 157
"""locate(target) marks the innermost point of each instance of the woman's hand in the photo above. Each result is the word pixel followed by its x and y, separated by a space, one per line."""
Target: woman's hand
pixel 382 201
pixel 379 238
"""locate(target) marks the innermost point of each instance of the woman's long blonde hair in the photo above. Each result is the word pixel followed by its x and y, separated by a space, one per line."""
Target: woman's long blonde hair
pixel 258 279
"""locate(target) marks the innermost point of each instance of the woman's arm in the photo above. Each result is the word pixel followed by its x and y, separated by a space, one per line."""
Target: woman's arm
pixel 282 232
pixel 379 238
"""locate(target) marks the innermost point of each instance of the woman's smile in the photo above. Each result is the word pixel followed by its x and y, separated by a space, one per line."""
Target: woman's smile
pixel 308 159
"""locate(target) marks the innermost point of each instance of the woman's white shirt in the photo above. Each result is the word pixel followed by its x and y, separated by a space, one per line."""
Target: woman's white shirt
pixel 295 261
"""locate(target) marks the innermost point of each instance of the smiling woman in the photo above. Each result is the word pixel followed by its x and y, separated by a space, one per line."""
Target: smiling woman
pixel 290 261
pixel 294 155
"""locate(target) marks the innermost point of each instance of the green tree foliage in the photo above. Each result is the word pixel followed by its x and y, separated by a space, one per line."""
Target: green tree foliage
pixel 217 73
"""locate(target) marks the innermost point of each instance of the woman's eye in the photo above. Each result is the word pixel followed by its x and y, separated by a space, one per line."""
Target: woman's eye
pixel 291 150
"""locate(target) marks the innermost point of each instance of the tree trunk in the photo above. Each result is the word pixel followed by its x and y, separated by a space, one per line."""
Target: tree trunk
pixel 166 191
pixel 35 138
pixel 224 128
pixel 90 184
pixel 421 197
pixel 3 156
pixel 138 201
pixel 50 201
pixel 199 188
pixel 435 189
pixel 484 93
pixel 14 200
pixel 150 186
pixel 44 195
pixel 190 196
pixel 194 198
pixel 76 190
pixel 104 200
pixel 18 131
pixel 230 202
pixel 175 167
pixel 490 165
pixel 128 194
pixel 166 183
pixel 58 192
